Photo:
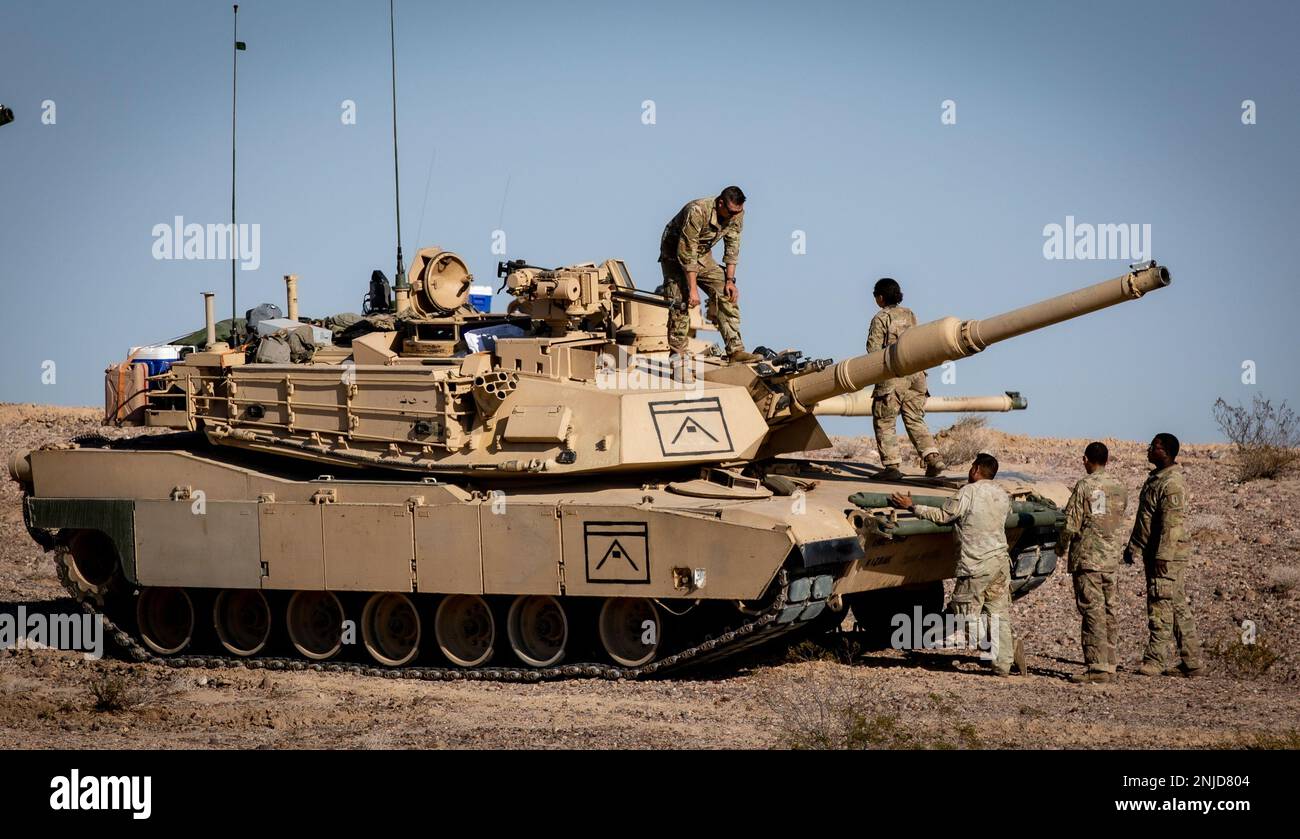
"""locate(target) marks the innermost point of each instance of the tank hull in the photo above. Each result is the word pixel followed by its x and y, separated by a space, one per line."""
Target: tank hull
pixel 195 520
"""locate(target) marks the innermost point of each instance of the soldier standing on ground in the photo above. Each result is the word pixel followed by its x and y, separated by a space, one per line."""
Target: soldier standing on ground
pixel 686 257
pixel 979 512
pixel 1091 542
pixel 1160 537
pixel 904 395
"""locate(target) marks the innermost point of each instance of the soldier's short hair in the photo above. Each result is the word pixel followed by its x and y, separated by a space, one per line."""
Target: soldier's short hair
pixel 1169 443
pixel 986 463
pixel 1097 453
pixel 733 196
pixel 889 291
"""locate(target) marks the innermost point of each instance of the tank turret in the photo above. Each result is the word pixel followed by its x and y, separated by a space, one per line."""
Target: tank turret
pixel 570 380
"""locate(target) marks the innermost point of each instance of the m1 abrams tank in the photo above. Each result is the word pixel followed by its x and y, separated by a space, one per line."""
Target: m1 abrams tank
pixel 520 495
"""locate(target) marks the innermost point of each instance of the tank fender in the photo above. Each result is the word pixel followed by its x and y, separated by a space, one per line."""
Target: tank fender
pixel 835 551
pixel 41 536
pixel 114 517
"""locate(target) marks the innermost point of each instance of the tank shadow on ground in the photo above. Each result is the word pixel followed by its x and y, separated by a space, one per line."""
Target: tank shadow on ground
pixel 843 648
pixel 61 607
pixel 838 647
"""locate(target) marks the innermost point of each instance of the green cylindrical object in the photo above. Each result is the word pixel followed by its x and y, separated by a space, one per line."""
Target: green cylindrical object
pixel 1023 513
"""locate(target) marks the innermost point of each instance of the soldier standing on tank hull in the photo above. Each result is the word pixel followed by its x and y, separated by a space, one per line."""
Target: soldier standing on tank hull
pixel 686 258
pixel 1091 543
pixel 979 513
pixel 905 395
pixel 1160 537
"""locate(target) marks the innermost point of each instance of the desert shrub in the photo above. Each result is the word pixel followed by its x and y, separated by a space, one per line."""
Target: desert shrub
pixel 831 647
pixel 960 442
pixel 842 727
pixel 112 692
pixel 848 448
pixel 831 715
pixel 1283 579
pixel 1248 661
pixel 1265 439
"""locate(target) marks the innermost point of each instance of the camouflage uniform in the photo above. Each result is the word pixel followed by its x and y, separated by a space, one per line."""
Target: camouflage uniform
pixel 687 245
pixel 906 395
pixel 979 513
pixel 1091 541
pixel 1159 537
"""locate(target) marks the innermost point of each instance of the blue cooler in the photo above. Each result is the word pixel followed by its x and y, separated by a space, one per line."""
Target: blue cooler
pixel 157 360
pixel 480 297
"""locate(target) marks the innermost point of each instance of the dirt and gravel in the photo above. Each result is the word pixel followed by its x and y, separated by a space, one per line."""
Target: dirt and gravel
pixel 1245 569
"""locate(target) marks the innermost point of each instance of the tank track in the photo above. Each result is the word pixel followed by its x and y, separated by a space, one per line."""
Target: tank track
pixel 796 604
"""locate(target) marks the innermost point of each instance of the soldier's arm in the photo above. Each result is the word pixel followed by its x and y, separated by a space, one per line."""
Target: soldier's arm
pixel 731 245
pixel 1173 516
pixel 876 334
pixel 688 244
pixel 952 510
pixel 1137 541
pixel 1073 521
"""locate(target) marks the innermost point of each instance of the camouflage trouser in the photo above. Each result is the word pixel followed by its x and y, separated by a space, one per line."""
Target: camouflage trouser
pixel 1094 593
pixel 906 396
pixel 726 314
pixel 989 593
pixel 1169 618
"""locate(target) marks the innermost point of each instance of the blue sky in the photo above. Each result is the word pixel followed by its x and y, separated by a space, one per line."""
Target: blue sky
pixel 826 113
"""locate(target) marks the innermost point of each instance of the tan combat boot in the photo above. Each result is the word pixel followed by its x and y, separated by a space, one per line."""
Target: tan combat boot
pixel 743 357
pixel 1092 677
pixel 889 473
pixel 684 369
pixel 1150 668
pixel 934 465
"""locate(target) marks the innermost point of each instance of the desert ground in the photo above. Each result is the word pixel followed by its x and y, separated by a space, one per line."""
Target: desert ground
pixel 1245 568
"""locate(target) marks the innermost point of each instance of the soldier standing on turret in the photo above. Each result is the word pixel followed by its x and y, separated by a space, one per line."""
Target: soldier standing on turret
pixel 1091 543
pixel 686 257
pixel 906 395
pixel 1160 537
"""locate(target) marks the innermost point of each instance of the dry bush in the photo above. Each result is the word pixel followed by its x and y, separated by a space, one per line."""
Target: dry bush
pixel 830 646
pixel 113 692
pixel 1207 521
pixel 960 442
pixel 848 448
pixel 828 714
pixel 1210 528
pixel 1283 579
pixel 1265 439
pixel 1246 661
pixel 831 715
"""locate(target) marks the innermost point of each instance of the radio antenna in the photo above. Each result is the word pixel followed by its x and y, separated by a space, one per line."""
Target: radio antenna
pixel 397 189
pixel 234 231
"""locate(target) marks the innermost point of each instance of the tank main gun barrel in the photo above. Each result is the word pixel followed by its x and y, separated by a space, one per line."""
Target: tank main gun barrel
pixel 1009 401
pixel 858 404
pixel 948 339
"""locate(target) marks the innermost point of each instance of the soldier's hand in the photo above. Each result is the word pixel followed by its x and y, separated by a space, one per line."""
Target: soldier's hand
pixel 1161 568
pixel 900 500
pixel 1128 556
pixel 693 301
pixel 733 293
